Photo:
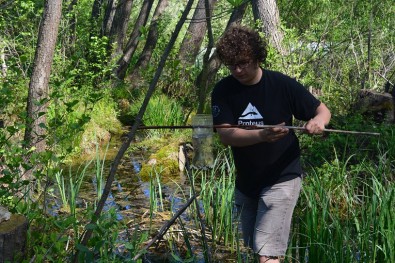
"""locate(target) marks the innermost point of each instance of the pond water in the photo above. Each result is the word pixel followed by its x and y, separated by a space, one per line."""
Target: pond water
pixel 130 197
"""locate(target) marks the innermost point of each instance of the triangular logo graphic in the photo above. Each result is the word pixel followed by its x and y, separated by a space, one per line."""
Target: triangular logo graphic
pixel 250 113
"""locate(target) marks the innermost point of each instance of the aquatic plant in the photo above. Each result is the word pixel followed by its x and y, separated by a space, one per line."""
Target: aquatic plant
pixel 69 191
pixel 345 214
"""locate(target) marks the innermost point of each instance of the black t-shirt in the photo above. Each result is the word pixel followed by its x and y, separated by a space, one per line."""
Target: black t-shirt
pixel 275 99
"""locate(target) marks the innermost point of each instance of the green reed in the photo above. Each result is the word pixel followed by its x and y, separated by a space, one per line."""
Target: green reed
pixel 376 227
pixel 155 193
pixel 217 194
pixel 215 190
pixel 99 171
pixel 156 115
pixel 345 214
pixel 69 191
pixel 62 188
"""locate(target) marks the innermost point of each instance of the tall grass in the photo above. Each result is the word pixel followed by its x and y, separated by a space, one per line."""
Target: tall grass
pixel 160 111
pixel 215 190
pixel 113 240
pixel 69 187
pixel 69 191
pixel 155 193
pixel 99 171
pixel 217 194
pixel 346 211
pixel 345 214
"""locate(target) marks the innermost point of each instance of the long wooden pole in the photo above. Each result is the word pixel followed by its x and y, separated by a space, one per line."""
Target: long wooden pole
pixel 251 127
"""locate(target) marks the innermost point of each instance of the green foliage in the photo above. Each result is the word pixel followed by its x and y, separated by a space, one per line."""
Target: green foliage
pixel 161 110
pixel 347 204
pixel 318 149
pixel 179 82
pixel 70 189
pixel 11 182
pixel 337 49
pixel 217 191
pixel 78 121
pixel 344 213
pixel 48 239
pixel 18 37
pixel 110 238
pixel 235 3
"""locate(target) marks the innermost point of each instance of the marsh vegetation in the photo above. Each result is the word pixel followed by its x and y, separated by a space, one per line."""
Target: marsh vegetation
pixel 94 188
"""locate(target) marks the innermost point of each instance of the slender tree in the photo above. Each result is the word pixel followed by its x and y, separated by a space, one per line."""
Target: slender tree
pixel 72 35
pixel 133 41
pixel 38 88
pixel 195 33
pixel 150 43
pixel 210 68
pixel 108 17
pixel 119 26
pixel 96 9
pixel 3 61
pixel 267 12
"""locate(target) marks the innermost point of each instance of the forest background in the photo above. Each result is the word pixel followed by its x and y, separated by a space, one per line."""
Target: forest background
pixel 78 74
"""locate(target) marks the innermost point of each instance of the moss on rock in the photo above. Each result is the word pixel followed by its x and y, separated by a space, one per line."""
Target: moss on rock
pixel 163 162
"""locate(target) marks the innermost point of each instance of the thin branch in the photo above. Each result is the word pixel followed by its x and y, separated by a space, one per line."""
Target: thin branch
pixel 164 228
pixel 207 252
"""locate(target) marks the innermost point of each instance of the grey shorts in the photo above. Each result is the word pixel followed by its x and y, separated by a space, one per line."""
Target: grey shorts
pixel 266 221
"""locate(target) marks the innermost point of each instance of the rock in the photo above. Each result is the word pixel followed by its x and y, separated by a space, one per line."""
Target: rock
pixel 181 158
pixel 378 105
pixel 4 214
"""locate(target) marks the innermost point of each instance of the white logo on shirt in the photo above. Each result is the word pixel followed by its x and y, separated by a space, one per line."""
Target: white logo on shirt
pixel 250 113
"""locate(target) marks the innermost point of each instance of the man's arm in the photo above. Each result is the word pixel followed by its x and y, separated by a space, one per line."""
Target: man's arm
pixel 317 124
pixel 238 137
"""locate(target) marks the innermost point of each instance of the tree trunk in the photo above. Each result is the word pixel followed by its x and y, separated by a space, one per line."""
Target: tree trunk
pixel 108 17
pixel 150 43
pixel 38 88
pixel 237 15
pixel 119 27
pixel 202 83
pixel 267 12
pixel 3 62
pixel 96 9
pixel 13 239
pixel 194 36
pixel 209 71
pixel 72 36
pixel 131 46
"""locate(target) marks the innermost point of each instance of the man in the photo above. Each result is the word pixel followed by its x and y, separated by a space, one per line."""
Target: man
pixel 268 180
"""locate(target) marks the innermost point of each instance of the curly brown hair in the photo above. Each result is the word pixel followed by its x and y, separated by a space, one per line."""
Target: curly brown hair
pixel 240 42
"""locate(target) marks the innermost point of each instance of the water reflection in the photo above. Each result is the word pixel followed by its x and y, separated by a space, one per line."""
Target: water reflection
pixel 129 200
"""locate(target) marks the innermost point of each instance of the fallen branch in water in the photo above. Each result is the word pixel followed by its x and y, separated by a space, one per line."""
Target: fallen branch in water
pixel 164 228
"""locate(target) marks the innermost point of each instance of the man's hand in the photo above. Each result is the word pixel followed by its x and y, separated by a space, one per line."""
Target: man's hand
pixel 315 126
pixel 273 134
